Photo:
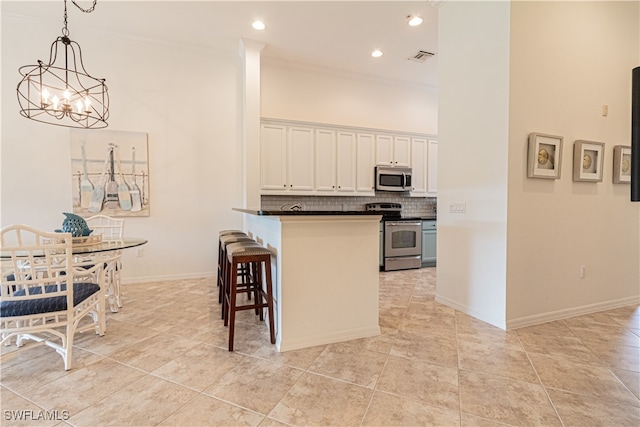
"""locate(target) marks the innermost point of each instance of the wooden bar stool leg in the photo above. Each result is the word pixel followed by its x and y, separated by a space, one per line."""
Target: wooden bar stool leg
pixel 269 297
pixel 232 304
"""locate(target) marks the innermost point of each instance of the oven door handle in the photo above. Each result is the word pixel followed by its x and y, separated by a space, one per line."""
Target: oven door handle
pixel 416 223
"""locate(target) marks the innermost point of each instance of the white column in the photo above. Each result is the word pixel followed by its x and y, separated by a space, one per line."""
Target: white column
pixel 250 54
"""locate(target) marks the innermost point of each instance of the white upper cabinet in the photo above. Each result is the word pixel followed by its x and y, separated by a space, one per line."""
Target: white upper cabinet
pixel 366 162
pixel 393 150
pixel 300 162
pixel 432 168
pixel 314 159
pixel 273 157
pixel 418 166
pixel 325 162
pixel 346 162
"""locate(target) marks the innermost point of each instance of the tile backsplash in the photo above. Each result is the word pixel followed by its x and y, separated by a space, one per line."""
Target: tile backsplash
pixel 411 206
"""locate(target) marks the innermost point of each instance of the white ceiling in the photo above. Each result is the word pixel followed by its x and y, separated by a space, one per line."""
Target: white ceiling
pixel 336 35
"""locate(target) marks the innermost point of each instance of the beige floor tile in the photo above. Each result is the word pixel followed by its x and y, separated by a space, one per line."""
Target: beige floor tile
pixel 199 367
pixel 442 367
pixel 147 401
pixel 17 411
pixel 582 379
pixel 570 348
pixel 468 420
pixel 497 360
pixel 46 368
pixel 350 364
pixel 578 410
pixel 270 422
pixel 504 400
pixel 631 380
pixel 426 382
pixel 556 329
pixel 442 351
pixel 610 334
pixel 616 356
pixel 300 359
pixel 255 384
pixel 380 343
pixel 320 401
pixel 153 352
pixel 118 335
pixel 388 410
pixel 85 386
pixel 208 411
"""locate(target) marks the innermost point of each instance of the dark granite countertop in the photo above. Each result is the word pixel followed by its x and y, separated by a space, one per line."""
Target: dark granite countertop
pixel 301 212
pixel 265 212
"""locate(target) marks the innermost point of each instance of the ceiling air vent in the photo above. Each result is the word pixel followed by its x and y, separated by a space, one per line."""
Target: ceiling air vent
pixel 420 56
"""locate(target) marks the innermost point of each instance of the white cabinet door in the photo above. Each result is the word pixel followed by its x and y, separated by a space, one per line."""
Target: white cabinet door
pixel 432 169
pixel 325 164
pixel 366 162
pixel 418 167
pixel 273 146
pixel 393 150
pixel 402 151
pixel 346 161
pixel 300 159
pixel 384 150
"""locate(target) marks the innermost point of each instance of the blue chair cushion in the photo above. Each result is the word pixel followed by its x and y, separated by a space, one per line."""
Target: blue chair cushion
pixel 81 291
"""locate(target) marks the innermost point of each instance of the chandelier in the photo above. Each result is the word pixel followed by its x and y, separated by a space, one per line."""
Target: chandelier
pixel 63 94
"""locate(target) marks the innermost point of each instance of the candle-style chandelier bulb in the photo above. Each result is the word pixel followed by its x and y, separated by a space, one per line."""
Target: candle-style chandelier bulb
pixel 48 91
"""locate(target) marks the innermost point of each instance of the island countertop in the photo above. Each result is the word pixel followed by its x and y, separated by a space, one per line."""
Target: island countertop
pixel 262 212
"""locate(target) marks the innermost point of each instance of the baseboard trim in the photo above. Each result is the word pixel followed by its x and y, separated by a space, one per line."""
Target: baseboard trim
pixel 164 278
pixel 536 319
pixel 566 313
pixel 338 336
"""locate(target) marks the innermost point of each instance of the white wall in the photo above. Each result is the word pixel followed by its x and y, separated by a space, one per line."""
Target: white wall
pixel 300 93
pixel 187 100
pixel 567 60
pixel 472 157
pixel 190 102
pixel 508 69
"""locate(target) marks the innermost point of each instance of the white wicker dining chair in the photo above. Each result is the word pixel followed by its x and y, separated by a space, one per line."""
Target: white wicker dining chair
pixel 41 298
pixel 111 229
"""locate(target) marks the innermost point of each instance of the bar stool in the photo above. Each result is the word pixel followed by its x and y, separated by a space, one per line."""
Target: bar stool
pixel 257 257
pixel 242 269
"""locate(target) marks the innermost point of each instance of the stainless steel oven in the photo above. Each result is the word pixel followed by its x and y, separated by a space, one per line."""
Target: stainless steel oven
pixel 402 244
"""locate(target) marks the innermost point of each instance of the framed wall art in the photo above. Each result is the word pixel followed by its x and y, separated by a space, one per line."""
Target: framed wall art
pixel 109 173
pixel 544 156
pixel 588 161
pixel 622 164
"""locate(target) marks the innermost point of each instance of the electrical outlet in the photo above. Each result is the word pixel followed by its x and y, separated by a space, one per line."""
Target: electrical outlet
pixel 583 271
pixel 140 252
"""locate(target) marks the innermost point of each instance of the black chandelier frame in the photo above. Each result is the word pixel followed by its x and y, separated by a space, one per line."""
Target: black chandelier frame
pixel 63 94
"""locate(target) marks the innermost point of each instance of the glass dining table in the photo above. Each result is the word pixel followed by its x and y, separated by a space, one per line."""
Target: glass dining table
pixel 103 247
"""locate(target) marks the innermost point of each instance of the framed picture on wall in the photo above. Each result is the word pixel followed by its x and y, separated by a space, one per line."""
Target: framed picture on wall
pixel 109 173
pixel 588 161
pixel 545 156
pixel 622 164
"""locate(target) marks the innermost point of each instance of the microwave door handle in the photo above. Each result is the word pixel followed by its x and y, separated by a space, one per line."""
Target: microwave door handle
pixel 404 180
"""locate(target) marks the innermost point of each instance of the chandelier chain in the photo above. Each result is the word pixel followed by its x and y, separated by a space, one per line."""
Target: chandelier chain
pixel 65 30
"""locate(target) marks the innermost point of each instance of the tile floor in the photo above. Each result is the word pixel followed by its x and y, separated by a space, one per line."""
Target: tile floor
pixel 165 363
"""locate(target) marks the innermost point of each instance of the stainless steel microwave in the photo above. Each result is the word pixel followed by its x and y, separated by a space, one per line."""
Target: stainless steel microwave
pixel 393 178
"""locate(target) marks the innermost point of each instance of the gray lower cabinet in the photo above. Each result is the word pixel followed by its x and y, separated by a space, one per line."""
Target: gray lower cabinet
pixel 429 243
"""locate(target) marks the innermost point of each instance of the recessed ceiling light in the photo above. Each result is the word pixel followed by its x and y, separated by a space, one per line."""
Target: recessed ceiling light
pixel 376 53
pixel 258 25
pixel 414 21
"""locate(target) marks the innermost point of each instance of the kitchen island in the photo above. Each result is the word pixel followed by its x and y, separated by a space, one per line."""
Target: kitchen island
pixel 325 270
